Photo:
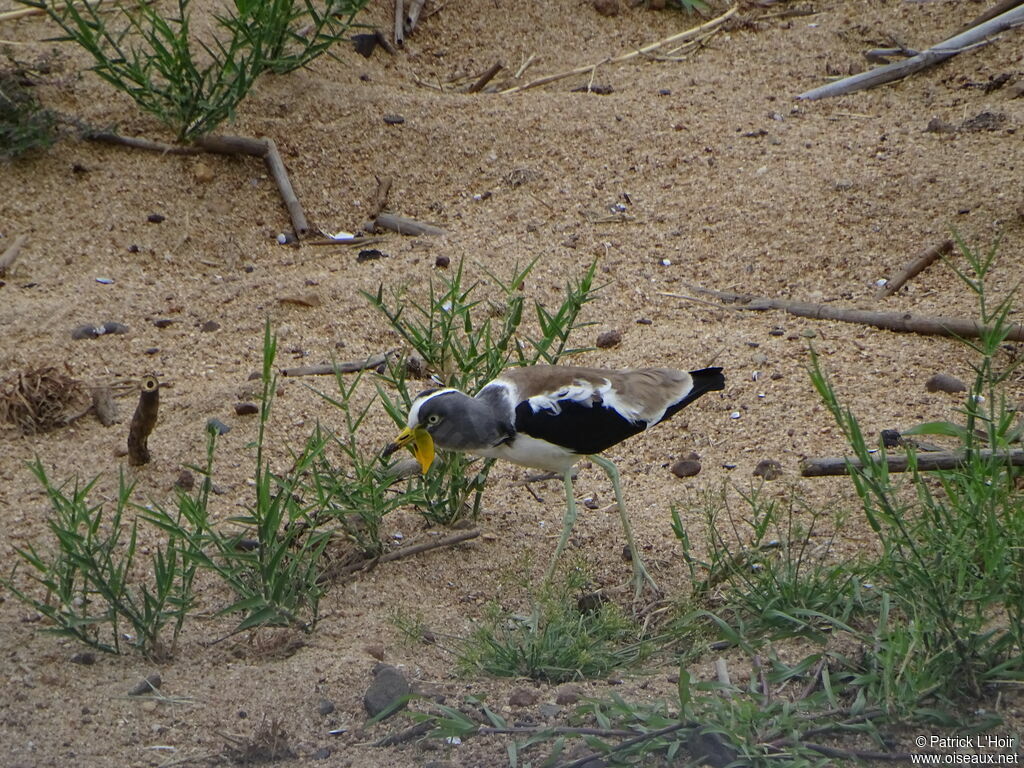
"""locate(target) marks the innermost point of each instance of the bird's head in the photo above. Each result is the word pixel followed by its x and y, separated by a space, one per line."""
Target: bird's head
pixel 429 422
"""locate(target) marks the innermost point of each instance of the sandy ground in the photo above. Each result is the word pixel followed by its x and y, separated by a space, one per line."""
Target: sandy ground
pixel 727 182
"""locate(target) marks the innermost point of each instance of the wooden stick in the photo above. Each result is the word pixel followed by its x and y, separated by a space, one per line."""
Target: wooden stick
pixel 914 267
pixel 415 549
pixel 399 23
pixel 901 322
pixel 991 13
pixel 143 422
pixel 927 58
pixel 715 22
pixel 926 462
pixel 403 225
pixel 413 17
pixel 226 145
pixel 380 197
pixel 9 255
pixel 486 77
pixel 275 165
pixel 350 366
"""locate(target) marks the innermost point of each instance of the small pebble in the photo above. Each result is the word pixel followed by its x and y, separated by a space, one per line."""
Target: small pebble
pixel 777 332
pixel 210 326
pixel 549 711
pixel 151 350
pixel 246 409
pixel 735 415
pixel 155 218
pixel 95 331
pixel 568 694
pixel 664 91
pixel 162 322
pixel 389 685
pixel 217 426
pixel 442 262
pixel 523 697
pixel 147 685
pixel 607 7
pixel 376 650
pixel 186 480
pixel 688 467
pixel 370 254
pixel 609 339
pixel 86 658
pixel 286 238
pixel 133 249
pixel 394 119
pixel 105 280
pixel 891 438
pixel 769 469
pixel 943 382
pixel 325 707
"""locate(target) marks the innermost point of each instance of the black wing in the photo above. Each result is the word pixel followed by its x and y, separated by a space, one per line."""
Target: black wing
pixel 582 427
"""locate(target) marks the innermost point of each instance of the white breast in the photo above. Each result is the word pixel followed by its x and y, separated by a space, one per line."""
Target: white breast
pixel 530 452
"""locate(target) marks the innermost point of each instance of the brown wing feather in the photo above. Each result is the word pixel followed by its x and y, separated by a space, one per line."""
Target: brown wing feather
pixel 646 391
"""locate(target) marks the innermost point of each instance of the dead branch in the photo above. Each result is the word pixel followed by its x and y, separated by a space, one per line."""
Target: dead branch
pixel 143 422
pixel 402 225
pixel 996 10
pixel 914 267
pixel 9 255
pixel 380 197
pixel 266 149
pixel 351 571
pixel 900 322
pixel 926 462
pixel 944 50
pixel 693 32
pixel 350 366
pixel 486 77
pixel 275 165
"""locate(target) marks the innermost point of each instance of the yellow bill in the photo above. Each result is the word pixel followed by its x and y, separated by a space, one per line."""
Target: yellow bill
pixel 419 442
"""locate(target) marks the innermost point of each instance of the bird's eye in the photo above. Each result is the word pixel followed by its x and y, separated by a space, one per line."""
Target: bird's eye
pixel 433 418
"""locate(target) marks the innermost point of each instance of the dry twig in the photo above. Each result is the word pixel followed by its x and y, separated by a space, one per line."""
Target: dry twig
pixel 914 267
pixel 901 322
pixel 350 366
pixel 926 462
pixel 690 33
pixel 973 37
pixel 143 421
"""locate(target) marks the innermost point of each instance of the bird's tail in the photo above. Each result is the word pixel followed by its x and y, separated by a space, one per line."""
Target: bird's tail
pixel 704 380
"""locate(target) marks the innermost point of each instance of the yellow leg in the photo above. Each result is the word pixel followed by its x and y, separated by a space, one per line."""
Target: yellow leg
pixel 640 574
pixel 567 521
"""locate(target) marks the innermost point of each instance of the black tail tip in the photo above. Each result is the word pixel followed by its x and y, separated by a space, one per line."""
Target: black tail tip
pixel 708 379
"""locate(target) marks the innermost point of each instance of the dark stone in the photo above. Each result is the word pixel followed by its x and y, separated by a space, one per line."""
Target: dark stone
pixel 147 685
pixel 568 694
pixel 523 697
pixel 943 382
pixel 369 254
pixel 364 44
pixel 442 262
pixel 609 339
pixel 186 480
pixel 95 331
pixel 246 409
pixel 891 438
pixel 325 707
pixel 388 686
pixel 86 658
pixel 162 322
pixel 394 119
pixel 688 467
pixel 210 326
pixel 217 426
pixel 155 218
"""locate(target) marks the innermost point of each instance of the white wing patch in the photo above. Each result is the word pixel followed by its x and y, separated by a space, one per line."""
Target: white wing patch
pixel 584 392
